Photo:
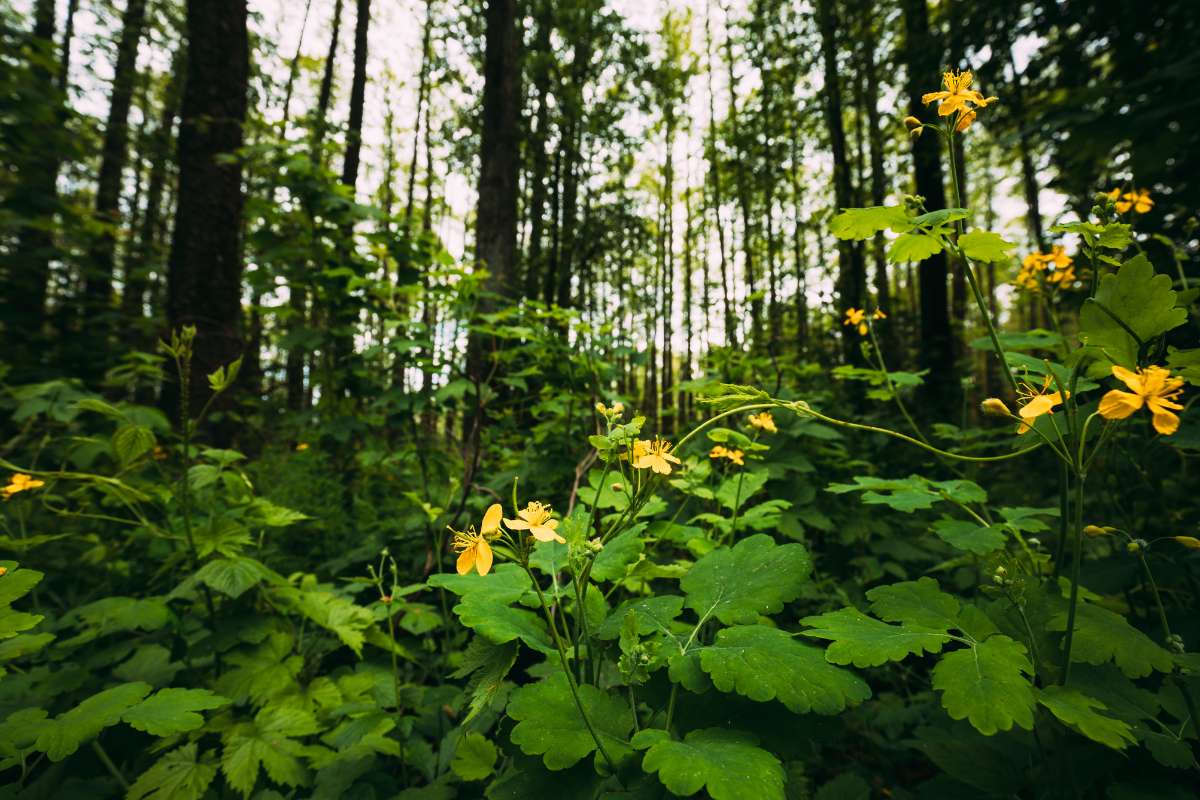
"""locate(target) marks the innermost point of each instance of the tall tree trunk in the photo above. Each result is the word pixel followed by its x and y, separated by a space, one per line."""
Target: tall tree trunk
pixel 534 266
pixel 98 280
pixel 422 115
pixel 496 208
pixel 851 280
pixel 145 258
pixel 34 201
pixel 743 196
pixel 293 73
pixel 204 282
pixel 883 295
pixel 801 300
pixel 923 57
pixel 320 126
pixel 714 173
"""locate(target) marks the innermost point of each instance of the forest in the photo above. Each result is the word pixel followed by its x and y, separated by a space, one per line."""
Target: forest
pixel 599 399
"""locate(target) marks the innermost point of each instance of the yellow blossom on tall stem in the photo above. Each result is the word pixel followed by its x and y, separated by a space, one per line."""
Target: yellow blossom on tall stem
pixel 1152 387
pixel 20 482
pixel 857 317
pixel 957 97
pixel 536 519
pixel 474 552
pixel 656 455
pixel 1037 403
pixel 1137 201
pixel 736 456
pixel 764 421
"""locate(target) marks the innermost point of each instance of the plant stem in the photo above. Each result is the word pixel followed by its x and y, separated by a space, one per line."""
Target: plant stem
pixel 1080 479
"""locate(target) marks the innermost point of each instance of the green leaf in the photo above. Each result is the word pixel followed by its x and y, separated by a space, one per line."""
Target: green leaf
pixel 269 742
pixel 970 536
pixel 1081 713
pixel 63 735
pixel 765 663
pixel 755 577
pixel 913 247
pixel 131 442
pixel 985 246
pixel 474 757
pixel 233 576
pixel 614 559
pixel 866 642
pixel 1141 299
pixel 487 665
pixel 179 775
pixel 16 583
pixel 653 614
pixel 171 711
pixel 505 584
pixel 986 685
pixel 1102 636
pixel 933 219
pixel 921 603
pixel 863 223
pixel 728 764
pixel 549 724
pixel 501 624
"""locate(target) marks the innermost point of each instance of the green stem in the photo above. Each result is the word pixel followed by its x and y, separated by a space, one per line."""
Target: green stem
pixel 571 683
pixel 98 749
pixel 1080 479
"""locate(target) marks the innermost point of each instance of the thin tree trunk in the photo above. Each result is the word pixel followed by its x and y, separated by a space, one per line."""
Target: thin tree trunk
pixel 743 196
pixel 923 57
pixel 534 268
pixel 422 115
pixel 98 280
pixel 204 282
pixel 714 172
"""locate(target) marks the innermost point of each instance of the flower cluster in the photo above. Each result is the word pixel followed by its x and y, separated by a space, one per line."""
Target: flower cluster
pixel 20 482
pixel 474 547
pixel 857 318
pixel 736 456
pixel 1137 201
pixel 1055 268
pixel 958 98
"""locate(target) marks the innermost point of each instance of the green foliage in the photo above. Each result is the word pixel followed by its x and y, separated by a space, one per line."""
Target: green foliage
pixel 727 764
pixel 1131 308
pixel 549 723
pixel 755 576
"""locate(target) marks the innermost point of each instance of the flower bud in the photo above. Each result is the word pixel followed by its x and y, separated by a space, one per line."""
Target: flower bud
pixel 618 487
pixel 618 408
pixel 386 599
pixel 601 408
pixel 994 407
pixel 1190 542
pixel 3 571
pixel 1095 530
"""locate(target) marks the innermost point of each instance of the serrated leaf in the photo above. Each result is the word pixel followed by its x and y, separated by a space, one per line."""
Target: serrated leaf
pixel 63 736
pixel 474 757
pixel 985 246
pixel 503 623
pixel 728 764
pixel 171 711
pixel 1102 636
pixel 921 603
pixel 505 584
pixel 866 642
pixel 755 577
pixel 970 536
pixel 764 663
pixel 131 442
pixel 16 583
pixel 179 775
pixel 986 684
pixel 913 247
pixel 488 665
pixel 549 724
pixel 233 576
pixel 1140 298
pixel 653 614
pixel 1082 713
pixel 863 223
pixel 614 559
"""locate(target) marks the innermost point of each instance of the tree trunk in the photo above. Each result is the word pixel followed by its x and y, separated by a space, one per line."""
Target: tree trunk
pixel 325 93
pixel 714 172
pixel 534 266
pixel 743 195
pixel 98 281
pixel 851 280
pixel 923 57
pixel 204 282
pixel 496 209
pixel 422 115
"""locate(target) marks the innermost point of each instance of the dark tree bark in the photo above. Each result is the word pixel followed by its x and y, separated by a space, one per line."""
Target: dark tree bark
pixel 852 278
pixel 496 209
pixel 35 200
pixel 534 266
pixel 422 115
pixel 204 282
pixel 923 57
pixel 714 172
pixel 98 280
pixel 320 124
pixel 146 256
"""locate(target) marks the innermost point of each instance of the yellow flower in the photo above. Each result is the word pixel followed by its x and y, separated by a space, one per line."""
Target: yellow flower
pixel 491 521
pixel 300 448
pixel 656 456
pixel 764 421
pixel 474 552
pixel 736 456
pixel 1062 277
pixel 1190 542
pixel 1152 387
pixel 1138 200
pixel 878 314
pixel 1096 530
pixel 857 317
pixel 20 482
pixel 1038 402
pixel 958 98
pixel 536 519
pixel 994 407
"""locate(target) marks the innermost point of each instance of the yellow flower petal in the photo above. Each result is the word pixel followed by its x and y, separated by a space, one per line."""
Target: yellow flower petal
pixel 491 519
pixel 1119 405
pixel 466 560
